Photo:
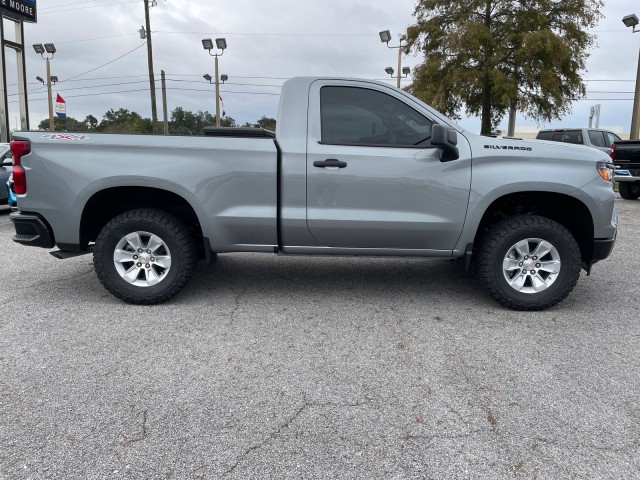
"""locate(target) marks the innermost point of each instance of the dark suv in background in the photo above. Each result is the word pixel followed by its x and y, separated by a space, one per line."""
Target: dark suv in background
pixel 591 137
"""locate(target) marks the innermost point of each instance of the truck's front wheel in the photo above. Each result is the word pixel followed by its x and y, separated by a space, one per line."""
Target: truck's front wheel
pixel 144 256
pixel 629 190
pixel 529 262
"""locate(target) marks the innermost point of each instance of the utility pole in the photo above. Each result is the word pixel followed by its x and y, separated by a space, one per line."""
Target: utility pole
pixel 152 82
pixel 164 102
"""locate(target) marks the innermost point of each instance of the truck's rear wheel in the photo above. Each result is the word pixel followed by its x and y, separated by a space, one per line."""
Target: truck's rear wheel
pixel 629 190
pixel 145 256
pixel 529 262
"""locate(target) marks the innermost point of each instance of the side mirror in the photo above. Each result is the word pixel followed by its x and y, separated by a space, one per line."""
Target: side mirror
pixel 445 138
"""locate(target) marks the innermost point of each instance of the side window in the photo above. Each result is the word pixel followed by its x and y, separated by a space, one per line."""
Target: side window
pixel 570 136
pixel 612 137
pixel 597 138
pixel 360 116
pixel 544 136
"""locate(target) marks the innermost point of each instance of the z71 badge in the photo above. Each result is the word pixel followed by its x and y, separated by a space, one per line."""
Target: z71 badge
pixel 65 136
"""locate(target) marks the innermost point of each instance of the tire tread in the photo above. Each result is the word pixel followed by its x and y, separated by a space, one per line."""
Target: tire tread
pixel 169 223
pixel 495 240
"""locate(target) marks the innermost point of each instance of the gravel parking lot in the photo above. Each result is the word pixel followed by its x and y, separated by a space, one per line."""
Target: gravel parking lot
pixel 274 367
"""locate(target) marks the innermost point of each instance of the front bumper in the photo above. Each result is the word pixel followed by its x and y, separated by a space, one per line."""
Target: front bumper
pixel 602 248
pixel 32 230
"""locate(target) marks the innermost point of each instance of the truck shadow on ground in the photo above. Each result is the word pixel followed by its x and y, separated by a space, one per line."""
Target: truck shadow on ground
pixel 339 278
pixel 297 278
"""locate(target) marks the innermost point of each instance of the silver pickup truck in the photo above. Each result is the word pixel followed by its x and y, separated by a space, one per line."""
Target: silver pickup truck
pixel 355 168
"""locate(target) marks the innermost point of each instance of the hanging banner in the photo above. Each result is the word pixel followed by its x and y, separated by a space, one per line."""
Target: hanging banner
pixel 222 105
pixel 61 107
pixel 22 10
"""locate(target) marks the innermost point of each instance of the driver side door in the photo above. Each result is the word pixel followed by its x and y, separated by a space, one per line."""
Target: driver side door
pixel 373 179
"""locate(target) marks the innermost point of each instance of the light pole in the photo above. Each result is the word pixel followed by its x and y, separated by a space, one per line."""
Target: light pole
pixel 221 44
pixel 632 21
pixel 50 49
pixel 385 37
pixel 405 72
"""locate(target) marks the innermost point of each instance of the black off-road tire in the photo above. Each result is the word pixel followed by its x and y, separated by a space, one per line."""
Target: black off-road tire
pixel 498 242
pixel 178 242
pixel 629 190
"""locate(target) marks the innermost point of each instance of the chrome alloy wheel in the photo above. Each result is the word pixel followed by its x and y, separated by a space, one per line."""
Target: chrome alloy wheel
pixel 531 265
pixel 142 259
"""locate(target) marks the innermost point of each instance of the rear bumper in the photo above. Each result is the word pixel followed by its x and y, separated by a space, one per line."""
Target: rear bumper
pixel 32 230
pixel 626 174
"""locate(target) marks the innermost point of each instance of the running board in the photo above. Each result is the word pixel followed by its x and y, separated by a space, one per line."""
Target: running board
pixel 63 254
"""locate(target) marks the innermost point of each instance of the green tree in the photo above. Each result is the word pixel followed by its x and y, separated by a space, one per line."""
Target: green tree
pixel 266 123
pixel 489 55
pixel 124 121
pixel 227 122
pixel 91 123
pixel 67 124
pixel 185 122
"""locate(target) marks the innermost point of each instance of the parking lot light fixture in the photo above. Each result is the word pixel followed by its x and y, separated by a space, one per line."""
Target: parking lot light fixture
pixel 224 77
pixel 40 79
pixel 385 37
pixel 391 71
pixel 207 43
pixel 634 133
pixel 630 21
pixel 207 77
pixel 50 49
pixel 221 44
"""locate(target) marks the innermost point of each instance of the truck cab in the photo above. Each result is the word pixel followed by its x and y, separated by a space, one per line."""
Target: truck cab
pixel 590 137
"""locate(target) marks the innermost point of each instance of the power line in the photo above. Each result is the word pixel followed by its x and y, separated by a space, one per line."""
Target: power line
pixel 604 99
pixel 38 90
pixel 144 90
pixel 71 4
pixel 105 64
pixel 40 12
pixel 226 83
pixel 271 34
pixel 97 38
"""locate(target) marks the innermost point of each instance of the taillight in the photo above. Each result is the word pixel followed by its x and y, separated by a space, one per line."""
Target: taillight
pixel 19 149
pixel 613 149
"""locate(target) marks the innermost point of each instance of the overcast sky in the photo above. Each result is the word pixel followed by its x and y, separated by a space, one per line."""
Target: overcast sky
pixel 268 42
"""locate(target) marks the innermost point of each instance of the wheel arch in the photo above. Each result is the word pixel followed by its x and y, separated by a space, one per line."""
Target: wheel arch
pixel 104 205
pixel 568 211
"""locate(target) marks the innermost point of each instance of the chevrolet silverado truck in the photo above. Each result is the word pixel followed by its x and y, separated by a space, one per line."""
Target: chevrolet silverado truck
pixel 625 154
pixel 355 168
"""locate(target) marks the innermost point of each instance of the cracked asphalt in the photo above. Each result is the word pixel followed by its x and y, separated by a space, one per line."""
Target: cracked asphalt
pixel 274 367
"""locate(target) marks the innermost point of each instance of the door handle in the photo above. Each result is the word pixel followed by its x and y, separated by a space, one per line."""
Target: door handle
pixel 329 162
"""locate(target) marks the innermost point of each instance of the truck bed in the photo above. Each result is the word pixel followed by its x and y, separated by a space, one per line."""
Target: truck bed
pixel 230 181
